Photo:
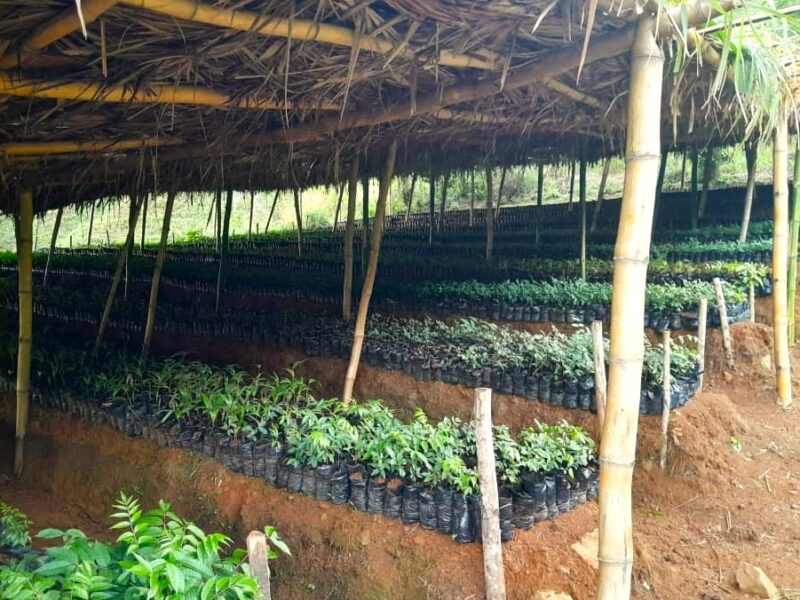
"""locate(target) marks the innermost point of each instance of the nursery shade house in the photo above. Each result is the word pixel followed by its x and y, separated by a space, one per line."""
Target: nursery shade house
pixel 104 99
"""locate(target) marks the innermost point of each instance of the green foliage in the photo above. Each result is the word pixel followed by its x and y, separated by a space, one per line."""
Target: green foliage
pixel 14 526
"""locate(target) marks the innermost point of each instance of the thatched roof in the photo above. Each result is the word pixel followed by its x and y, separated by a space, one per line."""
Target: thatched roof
pixel 276 93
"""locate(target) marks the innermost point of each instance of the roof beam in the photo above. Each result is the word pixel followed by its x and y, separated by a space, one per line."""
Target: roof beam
pixel 19 149
pixel 63 24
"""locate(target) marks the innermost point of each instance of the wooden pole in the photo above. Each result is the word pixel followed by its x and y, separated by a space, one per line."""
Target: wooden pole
pixel 662 171
pixel 364 220
pixel 489 217
pixel 411 196
pixel 780 174
pixel 226 228
pixel 298 214
pixel 694 196
pixel 349 233
pixel 338 205
pixel 582 200
pixel 708 165
pixel 601 192
pixel 53 238
pixel 91 226
pixel 137 202
pixel 25 339
pixel 271 211
pixel 667 399
pixel 500 191
pixel 369 277
pixel 540 185
pixel 144 221
pixel 751 301
pixel 626 355
pixel 490 501
pixel 217 219
pixel 795 231
pixel 727 340
pixel 683 169
pixel 160 257
pixel 443 205
pixel 751 158
pixel 702 314
pixel 431 203
pixel 600 391
pixel 571 183
pixel 250 221
pixel 258 558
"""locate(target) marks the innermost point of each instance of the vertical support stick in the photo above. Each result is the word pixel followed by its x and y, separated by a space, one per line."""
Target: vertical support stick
pixel 218 220
pixel 225 249
pixel 349 234
pixel 500 191
pixel 250 221
pixel 160 257
pixel 708 165
pixel 626 354
pixel 271 211
pixel 369 276
pixel 411 196
pixel 53 238
pixel 258 557
pixel 540 185
pixel 780 175
pixel 338 206
pixel 600 391
pixel 490 501
pixel 144 221
pixel 25 339
pixel 471 197
pixel 443 204
pixel 702 318
pixel 793 234
pixel 91 226
pixel 601 194
pixel 582 200
pixel 727 340
pixel 571 184
pixel 662 172
pixel 667 398
pixel 431 205
pixel 751 300
pixel 489 217
pixel 751 157
pixel 364 221
pixel 298 213
pixel 695 200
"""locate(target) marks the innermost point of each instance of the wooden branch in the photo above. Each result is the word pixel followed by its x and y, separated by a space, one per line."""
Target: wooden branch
pixel 573 94
pixel 76 147
pixel 152 94
pixel 65 23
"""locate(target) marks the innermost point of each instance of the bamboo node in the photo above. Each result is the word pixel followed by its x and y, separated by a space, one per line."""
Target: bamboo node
pixel 642 156
pixel 615 561
pixel 638 261
pixel 616 463
pixel 624 361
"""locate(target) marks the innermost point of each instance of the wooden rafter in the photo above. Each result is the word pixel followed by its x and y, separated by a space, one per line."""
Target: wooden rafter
pixel 78 147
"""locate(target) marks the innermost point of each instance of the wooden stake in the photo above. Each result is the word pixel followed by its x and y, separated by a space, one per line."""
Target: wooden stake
pixel 793 234
pixel 780 174
pixel 226 228
pixel 751 299
pixel 626 355
pixel 25 339
pixel 137 202
pixel 600 386
pixel 160 257
pixel 489 217
pixel 727 340
pixel 667 399
pixel 702 316
pixel 271 211
pixel 540 185
pixel 708 165
pixel 490 501
pixel 349 234
pixel 53 238
pixel 582 200
pixel 258 557
pixel 91 226
pixel 369 277
pixel 601 192
pixel 298 213
pixel 751 158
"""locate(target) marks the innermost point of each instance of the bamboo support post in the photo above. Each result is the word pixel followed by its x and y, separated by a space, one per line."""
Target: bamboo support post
pixel 695 200
pixel 91 226
pixel 431 205
pixel 600 391
pixel 582 200
pixel 137 202
pixel 271 212
pixel 751 158
pixel 258 558
pixel 708 165
pixel 338 206
pixel 217 219
pixel 160 257
pixel 411 196
pixel 25 338
pixel 626 355
pixel 780 174
pixel 490 502
pixel 571 184
pixel 702 320
pixel 144 221
pixel 489 217
pixel 472 197
pixel 364 220
pixel 298 214
pixel 793 234
pixel 601 192
pixel 349 234
pixel 53 239
pixel 443 204
pixel 250 220
pixel 666 389
pixel 369 276
pixel 662 172
pixel 225 248
pixel 727 339
pixel 540 185
pixel 500 191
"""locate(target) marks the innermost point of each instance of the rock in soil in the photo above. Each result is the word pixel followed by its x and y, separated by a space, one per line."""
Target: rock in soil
pixel 753 580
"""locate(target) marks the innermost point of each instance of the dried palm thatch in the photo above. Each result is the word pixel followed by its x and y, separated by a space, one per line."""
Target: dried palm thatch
pixel 266 93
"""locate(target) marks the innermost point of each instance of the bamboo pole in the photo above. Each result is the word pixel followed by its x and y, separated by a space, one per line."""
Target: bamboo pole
pixel 662 171
pixel 751 158
pixel 443 204
pixel 91 226
pixel 225 249
pixel 364 220
pixel 500 191
pixel 338 205
pixel 702 314
pixel 25 340
pixel 795 231
pixel 666 390
pixel 160 257
pixel 489 217
pixel 601 192
pixel 618 447
pixel 694 196
pixel 683 170
pixel 53 238
pixel 78 147
pixel 471 197
pixel 369 277
pixel 217 218
pixel 727 340
pixel 599 353
pixel 411 196
pixel 137 202
pixel 708 165
pixel 250 220
pixel 349 234
pixel 582 200
pixel 271 211
pixel 780 174
pixel 298 213
pixel 540 185
pixel 571 183
pixel 144 221
pixel 431 207
pixel 493 574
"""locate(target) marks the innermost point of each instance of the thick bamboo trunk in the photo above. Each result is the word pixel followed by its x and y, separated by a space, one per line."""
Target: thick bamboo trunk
pixel 271 211
pixel 369 277
pixel 471 197
pixel 53 239
pixel 144 221
pixel 91 226
pixel 662 171
pixel 160 257
pixel 708 165
pixel 431 206
pixel 25 339
pixel 601 194
pixel 751 157
pixel 411 196
pixel 795 231
pixel 582 200
pixel 780 174
pixel 349 234
pixel 695 200
pixel 489 217
pixel 121 261
pixel 298 215
pixel 226 229
pixel 540 185
pixel 443 204
pixel 626 355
